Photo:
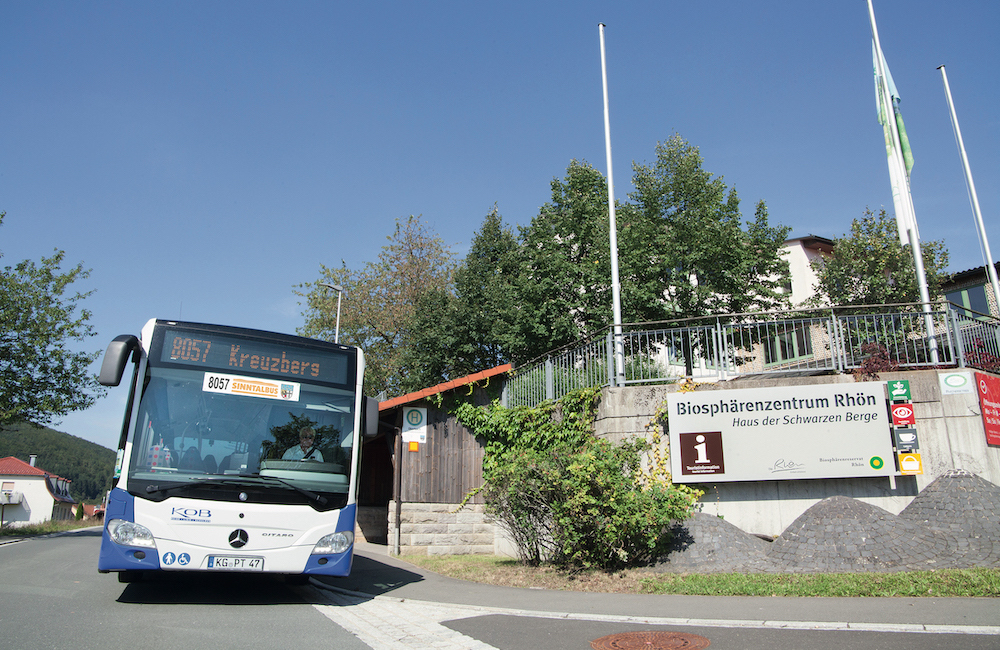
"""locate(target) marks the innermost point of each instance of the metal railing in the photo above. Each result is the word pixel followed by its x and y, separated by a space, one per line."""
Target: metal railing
pixel 841 339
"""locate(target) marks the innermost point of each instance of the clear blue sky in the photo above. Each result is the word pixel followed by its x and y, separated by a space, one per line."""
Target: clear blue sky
pixel 203 158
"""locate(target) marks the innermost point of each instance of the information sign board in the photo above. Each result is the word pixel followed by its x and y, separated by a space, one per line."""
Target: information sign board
pixel 792 432
pixel 910 463
pixel 903 415
pixel 899 390
pixel 989 405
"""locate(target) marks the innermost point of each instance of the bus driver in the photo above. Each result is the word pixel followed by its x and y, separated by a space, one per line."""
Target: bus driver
pixel 305 449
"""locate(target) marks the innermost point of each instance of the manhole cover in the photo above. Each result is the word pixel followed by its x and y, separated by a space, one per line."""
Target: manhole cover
pixel 650 641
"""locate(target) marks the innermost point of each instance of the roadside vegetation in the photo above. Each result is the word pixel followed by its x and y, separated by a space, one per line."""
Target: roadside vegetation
pixel 568 498
pixel 46 528
pixel 969 583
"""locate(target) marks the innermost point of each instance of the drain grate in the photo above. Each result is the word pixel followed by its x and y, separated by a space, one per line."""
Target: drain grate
pixel 650 641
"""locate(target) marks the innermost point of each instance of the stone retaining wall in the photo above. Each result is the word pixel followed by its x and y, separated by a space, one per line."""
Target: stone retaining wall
pixel 442 529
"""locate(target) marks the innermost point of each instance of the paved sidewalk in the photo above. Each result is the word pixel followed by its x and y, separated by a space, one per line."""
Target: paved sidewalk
pixel 400 605
pixel 386 623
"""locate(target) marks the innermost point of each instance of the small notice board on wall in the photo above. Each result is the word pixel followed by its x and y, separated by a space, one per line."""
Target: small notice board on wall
pixel 414 427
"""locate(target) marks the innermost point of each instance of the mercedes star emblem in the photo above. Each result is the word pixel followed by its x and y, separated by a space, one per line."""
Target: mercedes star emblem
pixel 238 538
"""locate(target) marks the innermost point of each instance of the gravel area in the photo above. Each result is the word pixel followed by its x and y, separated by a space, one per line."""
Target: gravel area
pixel 953 523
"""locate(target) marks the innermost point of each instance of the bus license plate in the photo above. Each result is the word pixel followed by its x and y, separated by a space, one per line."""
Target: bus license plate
pixel 235 563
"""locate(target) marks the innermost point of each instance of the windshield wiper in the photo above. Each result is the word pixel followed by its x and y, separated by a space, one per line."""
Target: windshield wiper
pixel 153 489
pixel 312 496
pixel 318 498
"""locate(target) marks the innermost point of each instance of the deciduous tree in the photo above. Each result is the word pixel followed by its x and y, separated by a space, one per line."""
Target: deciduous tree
pixel 470 329
pixel 564 288
pixel 41 376
pixel 870 266
pixel 381 300
pixel 685 250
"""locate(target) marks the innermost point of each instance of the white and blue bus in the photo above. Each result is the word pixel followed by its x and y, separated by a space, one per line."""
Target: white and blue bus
pixel 239 451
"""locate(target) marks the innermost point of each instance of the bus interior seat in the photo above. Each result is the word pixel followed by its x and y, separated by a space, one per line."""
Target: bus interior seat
pixel 191 460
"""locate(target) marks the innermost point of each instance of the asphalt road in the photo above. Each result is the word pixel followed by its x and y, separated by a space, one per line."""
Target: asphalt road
pixel 51 596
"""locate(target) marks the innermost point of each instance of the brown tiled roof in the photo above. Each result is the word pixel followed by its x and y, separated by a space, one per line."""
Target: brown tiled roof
pixel 12 466
pixel 442 388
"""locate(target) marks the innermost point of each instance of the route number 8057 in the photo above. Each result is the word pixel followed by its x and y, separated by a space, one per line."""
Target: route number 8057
pixel 218 383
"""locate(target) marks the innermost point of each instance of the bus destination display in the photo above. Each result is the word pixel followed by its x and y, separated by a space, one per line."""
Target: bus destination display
pixel 207 350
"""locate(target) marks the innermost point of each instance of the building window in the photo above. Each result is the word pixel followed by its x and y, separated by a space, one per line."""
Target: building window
pixel 973 298
pixel 788 343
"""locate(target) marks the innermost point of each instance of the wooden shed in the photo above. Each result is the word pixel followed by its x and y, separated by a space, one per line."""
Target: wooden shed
pixel 421 467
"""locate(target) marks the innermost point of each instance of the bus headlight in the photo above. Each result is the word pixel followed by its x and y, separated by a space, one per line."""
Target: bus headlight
pixel 129 533
pixel 334 543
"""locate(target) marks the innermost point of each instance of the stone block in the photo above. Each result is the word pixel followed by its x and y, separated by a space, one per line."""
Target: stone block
pixel 468 517
pixel 460 529
pixel 413 550
pixel 420 517
pixel 425 529
pixel 924 384
pixel 462 540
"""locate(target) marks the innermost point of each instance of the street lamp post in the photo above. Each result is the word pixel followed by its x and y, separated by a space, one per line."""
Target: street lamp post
pixel 340 292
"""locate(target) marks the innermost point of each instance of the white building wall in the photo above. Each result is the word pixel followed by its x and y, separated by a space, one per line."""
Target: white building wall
pixel 36 501
pixel 800 268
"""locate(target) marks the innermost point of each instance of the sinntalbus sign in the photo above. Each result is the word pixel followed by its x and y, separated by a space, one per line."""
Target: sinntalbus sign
pixel 789 432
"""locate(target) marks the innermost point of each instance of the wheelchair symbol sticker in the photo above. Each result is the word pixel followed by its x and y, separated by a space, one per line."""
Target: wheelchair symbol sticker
pixel 183 559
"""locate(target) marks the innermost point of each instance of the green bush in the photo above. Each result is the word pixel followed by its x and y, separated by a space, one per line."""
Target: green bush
pixel 519 497
pixel 568 497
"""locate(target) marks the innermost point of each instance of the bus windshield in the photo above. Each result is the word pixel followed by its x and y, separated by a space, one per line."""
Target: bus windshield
pixel 206 424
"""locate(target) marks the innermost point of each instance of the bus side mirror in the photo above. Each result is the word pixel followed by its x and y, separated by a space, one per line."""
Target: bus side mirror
pixel 115 358
pixel 371 417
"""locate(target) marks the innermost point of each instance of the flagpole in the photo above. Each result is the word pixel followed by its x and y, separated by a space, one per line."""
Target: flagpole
pixel 616 300
pixel 973 198
pixel 909 220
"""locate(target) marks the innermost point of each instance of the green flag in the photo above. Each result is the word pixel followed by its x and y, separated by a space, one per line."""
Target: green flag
pixel 904 141
pixel 899 176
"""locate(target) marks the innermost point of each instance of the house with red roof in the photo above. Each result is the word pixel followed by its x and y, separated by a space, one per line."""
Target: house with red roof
pixel 30 495
pixel 90 511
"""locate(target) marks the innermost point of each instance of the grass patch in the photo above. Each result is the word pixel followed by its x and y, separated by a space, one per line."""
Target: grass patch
pixel 979 582
pixel 45 528
pixel 507 572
